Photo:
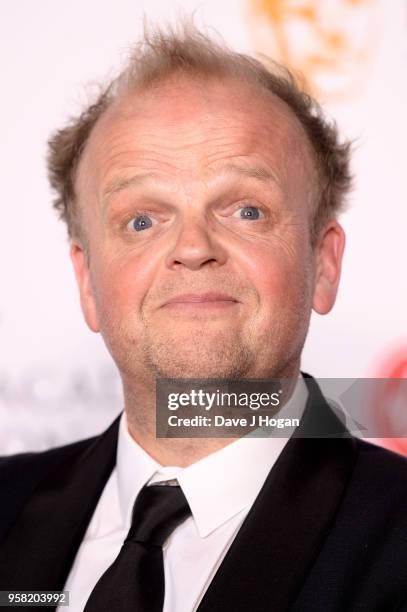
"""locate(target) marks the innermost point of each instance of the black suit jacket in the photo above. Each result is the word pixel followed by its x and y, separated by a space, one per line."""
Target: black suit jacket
pixel 327 532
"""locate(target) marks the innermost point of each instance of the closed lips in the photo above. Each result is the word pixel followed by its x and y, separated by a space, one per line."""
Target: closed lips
pixel 202 297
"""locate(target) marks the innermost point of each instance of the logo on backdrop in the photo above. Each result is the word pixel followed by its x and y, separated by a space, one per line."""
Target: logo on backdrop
pixel 393 368
pixel 331 45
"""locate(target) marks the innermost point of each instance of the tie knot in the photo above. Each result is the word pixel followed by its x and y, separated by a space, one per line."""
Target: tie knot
pixel 157 511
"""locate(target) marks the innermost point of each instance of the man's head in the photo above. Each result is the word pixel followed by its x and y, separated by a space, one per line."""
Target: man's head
pixel 201 193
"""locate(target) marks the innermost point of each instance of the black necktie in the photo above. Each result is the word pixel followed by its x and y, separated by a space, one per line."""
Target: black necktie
pixel 135 580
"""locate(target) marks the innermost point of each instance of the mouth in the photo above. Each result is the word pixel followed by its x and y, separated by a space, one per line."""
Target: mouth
pixel 201 301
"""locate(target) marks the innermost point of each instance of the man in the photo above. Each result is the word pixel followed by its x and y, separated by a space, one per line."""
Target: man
pixel 201 193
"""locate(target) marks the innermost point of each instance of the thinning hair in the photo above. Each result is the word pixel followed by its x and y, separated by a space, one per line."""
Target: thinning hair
pixel 162 53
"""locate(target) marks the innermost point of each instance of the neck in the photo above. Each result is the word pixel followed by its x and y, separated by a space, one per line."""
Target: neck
pixel 140 407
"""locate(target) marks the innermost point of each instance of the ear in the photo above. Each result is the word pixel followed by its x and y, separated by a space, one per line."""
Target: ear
pixel 83 278
pixel 329 252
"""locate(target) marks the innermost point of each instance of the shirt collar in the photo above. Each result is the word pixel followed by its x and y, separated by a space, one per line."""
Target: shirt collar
pixel 217 487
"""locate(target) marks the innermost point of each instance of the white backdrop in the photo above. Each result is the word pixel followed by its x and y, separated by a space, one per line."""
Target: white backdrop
pixel 57 381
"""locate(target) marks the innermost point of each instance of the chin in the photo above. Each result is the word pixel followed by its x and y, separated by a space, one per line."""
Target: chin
pixel 195 364
pixel 182 370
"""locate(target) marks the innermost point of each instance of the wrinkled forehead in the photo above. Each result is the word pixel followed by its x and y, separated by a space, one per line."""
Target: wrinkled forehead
pixel 203 119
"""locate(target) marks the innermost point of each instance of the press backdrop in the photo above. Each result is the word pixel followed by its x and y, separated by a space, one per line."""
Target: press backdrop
pixel 57 382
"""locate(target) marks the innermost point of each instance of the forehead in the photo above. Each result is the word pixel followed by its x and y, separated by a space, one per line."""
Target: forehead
pixel 190 125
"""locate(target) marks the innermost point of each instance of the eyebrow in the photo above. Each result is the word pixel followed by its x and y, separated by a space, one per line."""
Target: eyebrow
pixel 122 183
pixel 257 172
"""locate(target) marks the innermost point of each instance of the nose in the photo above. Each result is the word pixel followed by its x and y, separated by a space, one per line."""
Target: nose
pixel 195 246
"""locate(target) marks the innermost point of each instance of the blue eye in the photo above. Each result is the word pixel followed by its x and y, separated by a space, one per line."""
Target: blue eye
pixel 141 222
pixel 249 212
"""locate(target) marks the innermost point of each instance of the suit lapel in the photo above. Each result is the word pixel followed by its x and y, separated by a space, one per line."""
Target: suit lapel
pixel 40 549
pixel 281 536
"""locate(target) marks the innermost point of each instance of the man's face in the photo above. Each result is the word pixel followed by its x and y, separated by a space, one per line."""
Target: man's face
pixel 196 200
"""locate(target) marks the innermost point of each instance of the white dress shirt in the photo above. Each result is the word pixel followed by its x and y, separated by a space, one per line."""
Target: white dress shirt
pixel 220 490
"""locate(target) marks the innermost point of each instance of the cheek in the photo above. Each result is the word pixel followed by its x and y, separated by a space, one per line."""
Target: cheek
pixel 281 277
pixel 121 284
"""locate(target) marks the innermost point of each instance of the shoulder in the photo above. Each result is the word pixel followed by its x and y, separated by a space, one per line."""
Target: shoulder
pixel 20 474
pixel 21 470
pixel 379 480
pixel 22 464
pixel 24 467
pixel 381 462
